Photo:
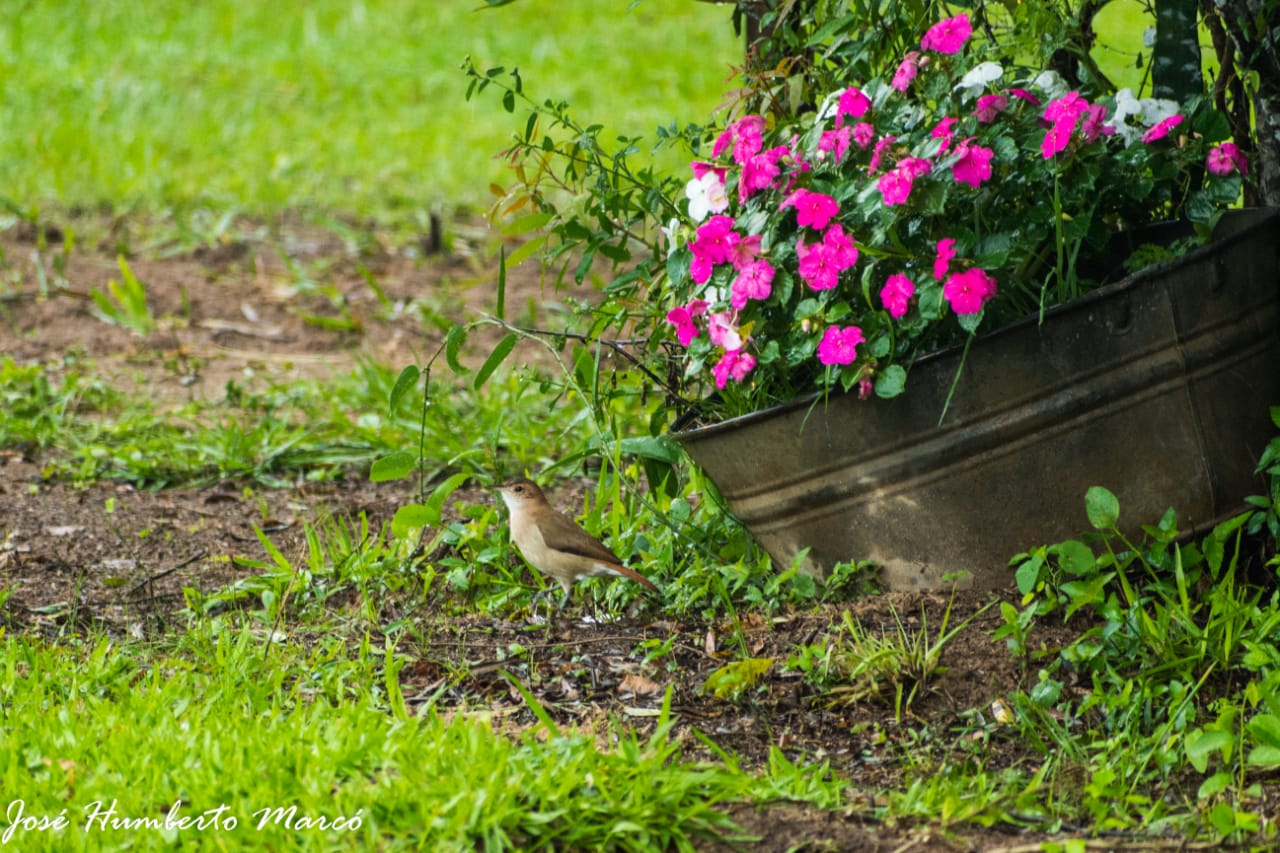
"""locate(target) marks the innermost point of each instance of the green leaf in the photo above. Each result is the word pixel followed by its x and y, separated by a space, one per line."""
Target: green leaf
pixel 409 518
pixel 1028 574
pixel 526 249
pixel 532 222
pixel 891 382
pixel 1201 746
pixel 1075 557
pixel 393 466
pixel 970 322
pixel 440 494
pixel 733 679
pixel 1085 592
pixel 405 382
pixel 499 355
pixel 455 341
pixel 1264 756
pixel 1266 728
pixel 1102 507
pixel 1215 784
pixel 657 447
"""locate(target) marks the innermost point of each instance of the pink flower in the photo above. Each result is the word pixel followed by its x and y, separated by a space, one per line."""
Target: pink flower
pixel 812 209
pixel 974 164
pixel 1056 138
pixel 1070 106
pixel 942 130
pixel 759 171
pixel 907 71
pixel 915 166
pixel 1064 113
pixel 700 269
pixel 844 253
pixel 876 153
pixel 946 251
pixel 714 240
pixel 839 345
pixel 949 35
pixel 969 290
pixel 1161 130
pixel 853 103
pixel 835 142
pixel 754 281
pixel 1093 127
pixel 735 365
pixel 700 169
pixel 722 327
pixel 819 266
pixel 895 186
pixel 744 252
pixel 863 133
pixel 1023 94
pixel 747 137
pixel 989 106
pixel 1225 158
pixel 896 295
pixel 682 318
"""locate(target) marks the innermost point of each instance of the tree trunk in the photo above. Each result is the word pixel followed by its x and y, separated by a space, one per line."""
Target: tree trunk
pixel 1175 62
pixel 1253 28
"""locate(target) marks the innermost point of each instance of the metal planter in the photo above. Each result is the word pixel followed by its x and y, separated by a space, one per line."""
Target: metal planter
pixel 1156 387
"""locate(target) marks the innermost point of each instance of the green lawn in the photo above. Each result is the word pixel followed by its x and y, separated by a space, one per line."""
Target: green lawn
pixel 353 106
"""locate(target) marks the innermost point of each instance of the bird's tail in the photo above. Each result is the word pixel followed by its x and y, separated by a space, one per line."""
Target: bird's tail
pixel 623 571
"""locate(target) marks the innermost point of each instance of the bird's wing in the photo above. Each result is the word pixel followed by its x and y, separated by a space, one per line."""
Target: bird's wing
pixel 560 533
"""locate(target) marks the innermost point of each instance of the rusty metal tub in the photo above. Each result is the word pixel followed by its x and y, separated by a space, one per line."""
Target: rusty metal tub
pixel 1156 387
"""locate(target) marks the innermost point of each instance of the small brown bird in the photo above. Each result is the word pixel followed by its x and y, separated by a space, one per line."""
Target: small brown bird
pixel 554 544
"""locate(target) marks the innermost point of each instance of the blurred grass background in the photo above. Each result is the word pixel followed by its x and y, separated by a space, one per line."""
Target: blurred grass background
pixel 355 107
pixel 157 107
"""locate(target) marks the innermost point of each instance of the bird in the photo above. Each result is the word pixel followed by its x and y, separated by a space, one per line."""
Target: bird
pixel 554 544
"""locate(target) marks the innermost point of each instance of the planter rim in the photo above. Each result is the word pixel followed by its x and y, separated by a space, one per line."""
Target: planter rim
pixel 1258 218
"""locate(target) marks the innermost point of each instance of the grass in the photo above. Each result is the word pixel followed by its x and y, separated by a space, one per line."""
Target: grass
pixel 119 741
pixel 1161 716
pixel 160 109
pixel 1174 729
pixel 271 433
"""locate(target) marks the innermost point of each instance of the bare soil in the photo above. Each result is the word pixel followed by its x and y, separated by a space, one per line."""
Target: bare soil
pixel 108 557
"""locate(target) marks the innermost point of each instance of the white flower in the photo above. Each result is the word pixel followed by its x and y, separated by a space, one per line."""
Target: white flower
pixel 1156 110
pixel 1051 83
pixel 706 195
pixel 1149 111
pixel 979 76
pixel 1126 105
pixel 827 109
pixel 670 232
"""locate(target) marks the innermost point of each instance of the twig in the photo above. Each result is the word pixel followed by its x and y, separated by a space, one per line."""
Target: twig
pixel 199 555
pixel 618 346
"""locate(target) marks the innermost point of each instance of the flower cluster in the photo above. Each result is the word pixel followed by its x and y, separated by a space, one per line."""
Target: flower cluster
pixel 832 251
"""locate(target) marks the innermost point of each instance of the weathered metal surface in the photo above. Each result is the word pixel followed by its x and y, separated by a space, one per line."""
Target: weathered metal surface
pixel 1157 387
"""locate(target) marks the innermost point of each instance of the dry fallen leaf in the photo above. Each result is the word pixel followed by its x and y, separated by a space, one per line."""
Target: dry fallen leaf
pixel 638 685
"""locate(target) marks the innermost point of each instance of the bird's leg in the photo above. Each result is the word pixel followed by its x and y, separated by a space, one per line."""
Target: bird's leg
pixel 533 605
